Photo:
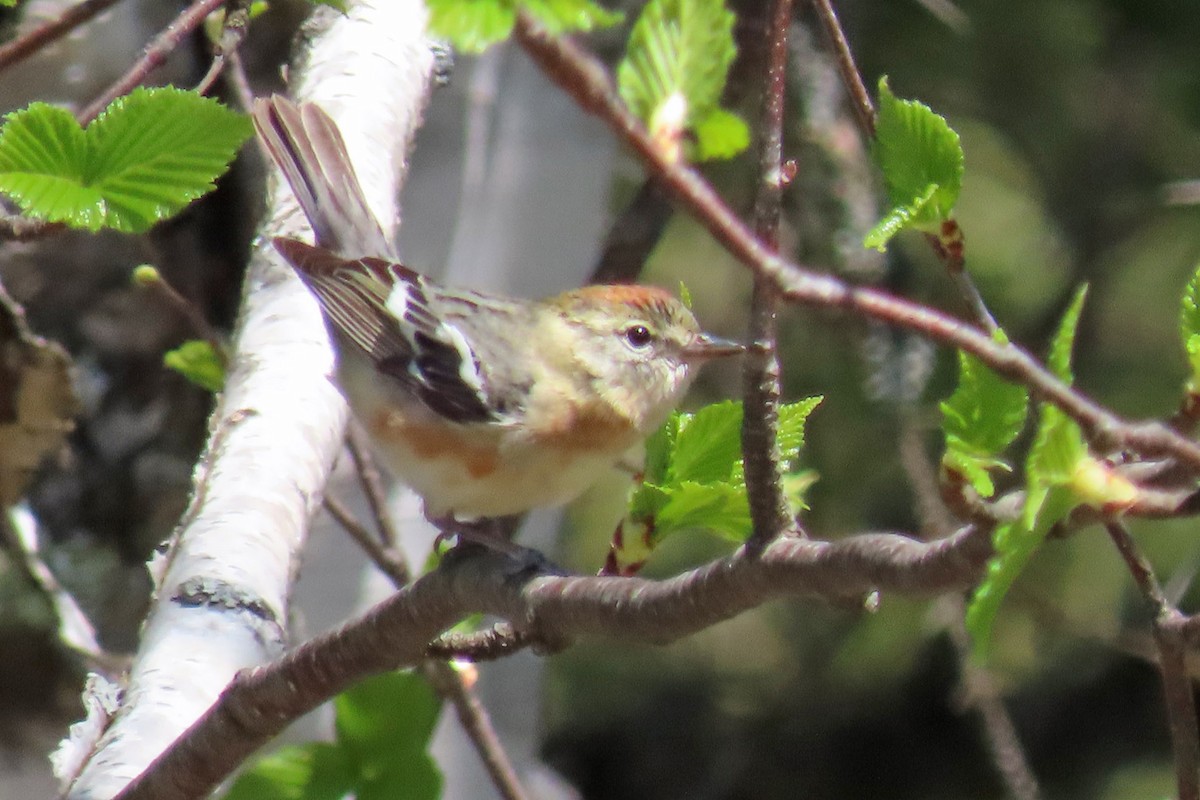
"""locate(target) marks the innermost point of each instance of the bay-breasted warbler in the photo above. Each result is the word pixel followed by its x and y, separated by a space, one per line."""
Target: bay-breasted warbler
pixel 485 405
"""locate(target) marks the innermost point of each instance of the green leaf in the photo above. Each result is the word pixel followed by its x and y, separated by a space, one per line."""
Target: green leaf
pixel 1051 470
pixel 474 25
pixel 385 715
pixel 720 134
pixel 674 71
pixel 708 444
pixel 567 16
pixel 922 163
pixel 1063 343
pixel 719 507
pixel 898 218
pixel 980 420
pixel 147 156
pixel 313 771
pixel 792 419
pixel 197 361
pixel 1189 327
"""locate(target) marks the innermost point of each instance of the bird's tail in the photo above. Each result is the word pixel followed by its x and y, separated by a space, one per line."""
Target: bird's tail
pixel 307 146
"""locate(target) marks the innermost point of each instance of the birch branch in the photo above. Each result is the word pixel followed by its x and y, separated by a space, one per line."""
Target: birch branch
pixel 223 584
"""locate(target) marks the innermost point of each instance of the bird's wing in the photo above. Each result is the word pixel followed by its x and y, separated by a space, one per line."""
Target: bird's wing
pixel 390 313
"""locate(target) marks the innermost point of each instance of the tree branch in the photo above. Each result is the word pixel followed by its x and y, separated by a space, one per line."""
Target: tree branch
pixel 761 388
pixel 36 38
pixel 263 701
pixel 584 78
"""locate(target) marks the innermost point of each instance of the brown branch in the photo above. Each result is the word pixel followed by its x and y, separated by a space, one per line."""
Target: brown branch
pixel 497 642
pixel 761 387
pixel 154 56
pixel 633 236
pixel 263 701
pixel 584 78
pixel 36 38
pixel 1170 632
pixel 372 484
pixel 447 681
pixel 860 98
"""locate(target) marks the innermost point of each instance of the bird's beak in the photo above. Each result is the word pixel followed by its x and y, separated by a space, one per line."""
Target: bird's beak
pixel 705 346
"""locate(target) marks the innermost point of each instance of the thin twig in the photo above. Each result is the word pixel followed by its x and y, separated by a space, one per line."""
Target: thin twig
pixel 35 39
pixel 585 79
pixel 233 31
pixel 154 56
pixel 477 724
pixel 446 680
pixel 1170 628
pixel 387 559
pixel 191 313
pixel 372 483
pixel 860 99
pixel 981 693
pixel 979 689
pixel 633 236
pixel 761 388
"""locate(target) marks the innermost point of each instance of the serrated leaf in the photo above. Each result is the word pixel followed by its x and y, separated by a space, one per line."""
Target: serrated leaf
pixel 719 507
pixel 674 71
pixel 720 134
pixel 1189 326
pixel 915 149
pixel 147 156
pixel 566 16
pixel 897 219
pixel 314 771
pixel 708 444
pixel 1063 343
pixel 981 419
pixel 790 438
pixel 199 362
pixel 474 25
pixel 1051 470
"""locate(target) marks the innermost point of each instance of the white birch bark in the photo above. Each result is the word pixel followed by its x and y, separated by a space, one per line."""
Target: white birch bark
pixel 224 583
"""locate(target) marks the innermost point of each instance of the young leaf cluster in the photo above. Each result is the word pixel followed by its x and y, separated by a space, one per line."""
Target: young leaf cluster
pixel 673 74
pixel 147 156
pixel 694 475
pixel 383 727
pixel 980 420
pixel 1060 474
pixel 1189 329
pixel 921 159
pixel 474 25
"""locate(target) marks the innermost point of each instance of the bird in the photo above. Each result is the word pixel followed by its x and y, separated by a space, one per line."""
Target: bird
pixel 487 406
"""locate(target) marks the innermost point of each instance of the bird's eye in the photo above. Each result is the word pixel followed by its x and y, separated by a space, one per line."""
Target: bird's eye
pixel 638 336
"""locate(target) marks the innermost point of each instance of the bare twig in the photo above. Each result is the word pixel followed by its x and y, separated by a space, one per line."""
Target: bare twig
pixel 446 680
pixel 1170 628
pixel 860 99
pixel 233 31
pixel 633 236
pixel 154 282
pixel 474 718
pixel 761 389
pixel 154 56
pixel 980 692
pixel 36 38
pixel 581 76
pixel 372 484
